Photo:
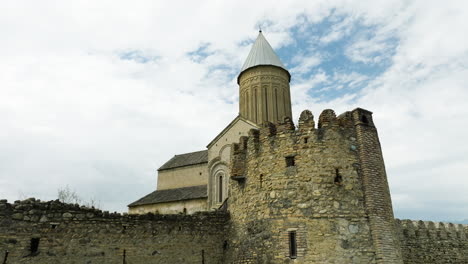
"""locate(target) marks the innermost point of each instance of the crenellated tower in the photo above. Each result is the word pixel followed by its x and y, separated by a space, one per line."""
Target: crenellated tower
pixel 264 93
pixel 315 194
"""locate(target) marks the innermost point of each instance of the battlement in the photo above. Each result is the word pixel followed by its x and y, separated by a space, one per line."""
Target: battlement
pixel 429 229
pixel 306 133
pixel 33 231
pixel 331 131
pixel 54 211
pixel 332 169
pixel 432 242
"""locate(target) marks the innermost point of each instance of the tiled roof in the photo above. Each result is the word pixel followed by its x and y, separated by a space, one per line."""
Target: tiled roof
pixel 186 159
pixel 172 195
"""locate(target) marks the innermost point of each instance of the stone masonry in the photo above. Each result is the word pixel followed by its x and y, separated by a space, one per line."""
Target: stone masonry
pixel 278 194
pixel 66 233
pixel 428 242
pixel 323 187
pixel 328 186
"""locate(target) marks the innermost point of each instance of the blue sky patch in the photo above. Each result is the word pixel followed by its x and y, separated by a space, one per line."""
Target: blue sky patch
pixel 137 56
pixel 201 53
pixel 349 53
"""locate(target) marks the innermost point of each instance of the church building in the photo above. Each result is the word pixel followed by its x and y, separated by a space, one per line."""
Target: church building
pixel 199 181
pixel 263 191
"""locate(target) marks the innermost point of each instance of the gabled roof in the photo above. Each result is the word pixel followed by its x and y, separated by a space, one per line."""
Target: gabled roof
pixel 187 159
pixel 173 195
pixel 233 122
pixel 262 54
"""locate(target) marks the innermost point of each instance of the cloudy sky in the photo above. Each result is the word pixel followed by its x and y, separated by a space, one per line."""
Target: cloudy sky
pixel 97 95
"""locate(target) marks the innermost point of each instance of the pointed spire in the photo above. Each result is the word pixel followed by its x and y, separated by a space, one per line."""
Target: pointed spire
pixel 262 54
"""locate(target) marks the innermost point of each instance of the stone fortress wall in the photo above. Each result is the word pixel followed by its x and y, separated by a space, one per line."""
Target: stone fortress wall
pixel 307 181
pixel 72 234
pixel 425 242
pixel 332 195
pixel 321 184
pixel 52 232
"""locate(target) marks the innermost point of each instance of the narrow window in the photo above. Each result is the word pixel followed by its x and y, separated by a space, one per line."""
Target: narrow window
pixel 220 191
pixel 284 105
pixel 261 180
pixel 255 106
pixel 292 245
pixel 203 256
pixel 364 119
pixel 242 103
pixel 185 211
pixel 338 178
pixel 249 107
pixel 306 140
pixel 266 102
pixel 34 245
pixel 276 105
pixel 290 161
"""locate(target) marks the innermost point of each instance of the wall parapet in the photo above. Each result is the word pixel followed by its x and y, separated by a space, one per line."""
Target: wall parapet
pixel 35 210
pixel 432 242
pixel 430 229
pixel 32 231
pixel 306 130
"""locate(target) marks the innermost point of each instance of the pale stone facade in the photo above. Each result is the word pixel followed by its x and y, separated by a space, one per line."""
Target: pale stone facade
pixel 176 207
pixel 183 177
pixel 182 187
pixel 219 156
pixel 264 94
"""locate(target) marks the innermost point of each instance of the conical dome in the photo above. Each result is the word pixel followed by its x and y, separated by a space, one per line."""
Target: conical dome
pixel 264 93
pixel 262 54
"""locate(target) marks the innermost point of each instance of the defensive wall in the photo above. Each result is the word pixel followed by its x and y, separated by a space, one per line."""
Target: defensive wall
pixel 309 183
pixel 326 188
pixel 67 233
pixel 323 187
pixel 424 242
pixel 38 232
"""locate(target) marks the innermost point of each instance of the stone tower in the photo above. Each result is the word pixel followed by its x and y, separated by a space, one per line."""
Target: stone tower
pixel 315 194
pixel 264 93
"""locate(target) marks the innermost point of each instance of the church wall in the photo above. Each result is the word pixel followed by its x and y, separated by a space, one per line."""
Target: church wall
pixel 238 129
pixel 190 206
pixel 320 197
pixel 69 234
pixel 187 176
pixel 428 242
pixel 219 153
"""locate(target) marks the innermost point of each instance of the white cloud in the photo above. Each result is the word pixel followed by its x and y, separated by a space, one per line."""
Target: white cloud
pixel 339 30
pixel 73 112
pixel 304 63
